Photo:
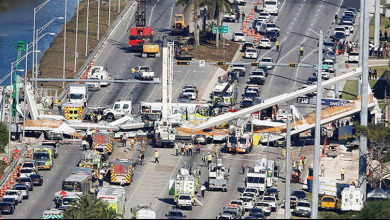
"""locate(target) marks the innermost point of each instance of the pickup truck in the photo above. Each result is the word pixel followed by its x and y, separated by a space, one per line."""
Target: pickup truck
pixel 144 73
pixel 16 194
pixel 229 16
pixel 270 200
pixel 329 202
pixel 184 201
pixel 302 208
pixel 257 77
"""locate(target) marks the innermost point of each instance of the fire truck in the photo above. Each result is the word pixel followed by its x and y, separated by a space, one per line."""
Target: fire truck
pixel 103 138
pixel 122 169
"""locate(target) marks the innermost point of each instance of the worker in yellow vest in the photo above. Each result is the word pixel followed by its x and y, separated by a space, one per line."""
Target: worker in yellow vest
pixel 304 163
pixel 277 46
pixel 216 151
pixel 293 165
pixel 301 50
pixel 342 173
pixel 209 159
pixel 283 153
pixel 156 156
pixel 132 142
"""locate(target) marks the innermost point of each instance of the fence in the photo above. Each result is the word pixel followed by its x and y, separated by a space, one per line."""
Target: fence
pixel 97 48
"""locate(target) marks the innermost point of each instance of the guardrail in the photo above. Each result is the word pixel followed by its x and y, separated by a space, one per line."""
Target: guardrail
pixel 97 48
pixel 13 164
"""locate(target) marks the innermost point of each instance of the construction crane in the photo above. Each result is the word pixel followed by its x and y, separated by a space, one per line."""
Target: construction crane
pixel 220 96
pixel 19 46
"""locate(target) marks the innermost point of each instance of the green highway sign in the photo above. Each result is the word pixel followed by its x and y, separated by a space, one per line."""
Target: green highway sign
pixel 223 29
pixel 324 66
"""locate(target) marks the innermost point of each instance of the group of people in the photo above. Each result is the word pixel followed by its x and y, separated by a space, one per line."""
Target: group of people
pixel 186 148
pixel 95 117
pixel 379 51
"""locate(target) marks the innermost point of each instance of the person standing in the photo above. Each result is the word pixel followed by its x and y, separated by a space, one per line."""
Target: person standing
pixel 204 159
pixel 177 148
pixel 96 190
pixel 124 140
pixel 385 35
pixel 301 50
pixel 243 17
pixel 336 18
pixel 141 158
pixel 186 148
pixel 283 153
pixel 277 46
pixel 122 182
pixel 198 146
pixel 156 156
pixel 243 166
pixel 100 179
pixel 203 189
pixel 57 201
pixel 342 173
pixel 84 143
pixel 299 164
pixel 216 151
pixel 338 123
pixel 304 163
pixel 342 123
pixel 322 170
pixel 190 149
pixel 52 103
pixel 132 142
pixel 369 73
pixel 209 159
pixel 293 165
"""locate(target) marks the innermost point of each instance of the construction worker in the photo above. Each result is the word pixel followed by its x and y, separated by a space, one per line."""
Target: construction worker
pixel 299 162
pixel 304 163
pixel 209 159
pixel 342 173
pixel 198 146
pixel 100 179
pixel 283 153
pixel 293 165
pixel 141 158
pixel 142 145
pixel 57 201
pixel 132 142
pixel 156 156
pixel 216 150
pixel 187 150
pixel 190 146
pixel 177 148
pixel 84 143
pixel 243 166
pixel 301 50
pixel 277 46
pixel 204 159
pixel 203 189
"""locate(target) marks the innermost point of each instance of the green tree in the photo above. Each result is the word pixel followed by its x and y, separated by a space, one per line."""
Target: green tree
pixel 217 7
pixel 89 207
pixel 4 136
pixel 195 4
pixel 372 210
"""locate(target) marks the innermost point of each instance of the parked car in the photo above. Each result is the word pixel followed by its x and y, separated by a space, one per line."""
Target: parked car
pixel 23 188
pixel 265 14
pixel 191 93
pixel 272 192
pixel 246 102
pixel 329 55
pixel 310 81
pixel 271 35
pixel 238 36
pixel 26 172
pixel 338 36
pixel 237 204
pixel 7 207
pixel 37 179
pixel 247 45
pixel 10 200
pixel 343 29
pixel 265 43
pixel 265 206
pixel 16 194
pixel 302 208
pixel 255 216
pixel 249 200
pixel 256 210
pixel 252 190
pixel 234 212
pixel 328 45
pixel 353 57
pixel 201 139
pixel 27 181
pixel 272 201
pixel 28 163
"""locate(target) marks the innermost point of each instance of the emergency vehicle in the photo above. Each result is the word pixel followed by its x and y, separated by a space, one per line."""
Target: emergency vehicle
pixel 43 157
pixel 256 176
pixel 78 182
pixel 52 214
pixel 103 138
pixel 73 112
pixel 113 197
pixel 91 159
pixel 122 169
pixel 230 96
pixel 240 140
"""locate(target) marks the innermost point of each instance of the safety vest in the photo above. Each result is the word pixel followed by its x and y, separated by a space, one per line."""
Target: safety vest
pixel 284 152
pixel 301 48
pixel 156 154
pixel 132 141
pixel 216 149
pixel 299 162
pixel 198 146
pixel 367 172
pixel 209 158
pixel 342 171
pixel 293 164
pixel 190 146
pixel 304 161
pixel 277 43
pixel 100 176
pixel 176 145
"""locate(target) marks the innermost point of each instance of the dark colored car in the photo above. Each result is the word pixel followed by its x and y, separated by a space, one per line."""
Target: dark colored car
pixel 27 181
pixel 239 72
pixel 37 179
pixel 175 214
pixel 328 45
pixel 329 55
pixel 352 9
pixel 255 216
pixel 11 200
pixel 246 103
pixel 184 98
pixel 338 36
pixel 348 17
pixel 256 211
pixel 271 35
pixel 299 194
pixel 7 207
pixel 272 192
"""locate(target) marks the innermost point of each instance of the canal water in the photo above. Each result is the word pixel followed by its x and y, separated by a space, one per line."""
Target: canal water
pixel 16 24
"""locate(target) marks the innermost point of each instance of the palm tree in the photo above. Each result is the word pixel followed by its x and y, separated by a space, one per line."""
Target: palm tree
pixel 216 7
pixel 89 207
pixel 196 4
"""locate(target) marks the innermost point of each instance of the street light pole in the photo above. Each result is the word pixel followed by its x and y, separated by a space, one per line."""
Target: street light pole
pixel 63 67
pixel 287 212
pixel 317 141
pixel 98 23
pixel 86 35
pixel 75 45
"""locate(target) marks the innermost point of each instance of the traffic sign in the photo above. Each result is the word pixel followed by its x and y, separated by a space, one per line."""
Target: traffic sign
pixel 223 29
pixel 202 63
pixel 324 66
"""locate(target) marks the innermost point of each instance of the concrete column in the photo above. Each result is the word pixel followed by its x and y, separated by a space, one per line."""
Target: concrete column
pixel 377 22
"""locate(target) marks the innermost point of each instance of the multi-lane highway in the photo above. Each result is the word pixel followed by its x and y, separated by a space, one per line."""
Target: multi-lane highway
pixel 151 180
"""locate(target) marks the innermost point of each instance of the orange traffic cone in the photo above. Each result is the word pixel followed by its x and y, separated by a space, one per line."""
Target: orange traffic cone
pixel 248 33
pixel 11 180
pixel 253 32
pixel 257 37
pixel 8 185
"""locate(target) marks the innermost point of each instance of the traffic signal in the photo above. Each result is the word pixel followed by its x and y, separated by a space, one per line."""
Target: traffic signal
pixel 183 63
pixel 293 65
pixel 221 63
pixel 255 64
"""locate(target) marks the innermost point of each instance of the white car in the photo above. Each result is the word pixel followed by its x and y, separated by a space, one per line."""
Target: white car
pixel 23 188
pixel 249 200
pixel 302 208
pixel 191 93
pixel 265 43
pixel 238 36
pixel 93 85
pixel 265 206
pixel 270 200
pixel 26 172
pixel 261 19
pixel 349 24
pixel 353 57
pixel 343 29
pixel 16 194
pixel 251 53
pixel 29 163
pixel 269 60
pixel 265 27
pixel 237 204
pixel 265 14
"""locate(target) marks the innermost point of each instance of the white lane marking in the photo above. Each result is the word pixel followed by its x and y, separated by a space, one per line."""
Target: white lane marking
pixel 129 92
pixel 296 72
pixel 170 18
pixel 280 10
pixel 151 95
pixel 151 13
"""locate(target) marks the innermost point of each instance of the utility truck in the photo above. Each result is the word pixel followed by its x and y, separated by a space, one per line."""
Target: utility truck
pixel 44 157
pixel 143 212
pixel 113 197
pixel 100 73
pixel 52 214
pixel 256 176
pixel 103 138
pixel 67 197
pixel 164 134
pixel 78 94
pixel 218 176
pixel 240 139
pixel 184 187
pixel 78 182
pixel 118 110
